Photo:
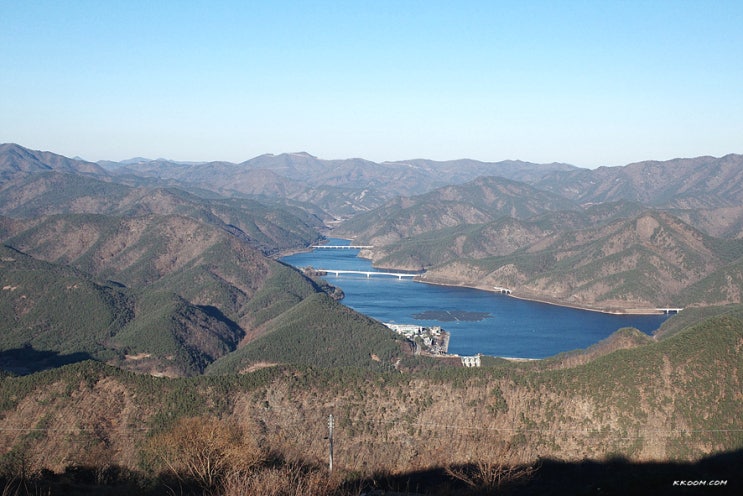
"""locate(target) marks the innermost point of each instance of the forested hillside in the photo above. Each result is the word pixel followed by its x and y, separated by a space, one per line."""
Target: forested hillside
pixel 477 202
pixel 170 306
pixel 146 319
pixel 269 228
pixel 634 238
pixel 650 261
pixel 676 399
pixel 173 281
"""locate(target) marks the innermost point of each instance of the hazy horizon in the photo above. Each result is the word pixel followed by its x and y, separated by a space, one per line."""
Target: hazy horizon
pixel 584 83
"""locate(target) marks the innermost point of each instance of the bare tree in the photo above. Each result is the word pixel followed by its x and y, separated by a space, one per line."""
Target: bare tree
pixel 491 465
pixel 206 450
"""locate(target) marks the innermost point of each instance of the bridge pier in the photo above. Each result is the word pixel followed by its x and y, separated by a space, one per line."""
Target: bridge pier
pixel 669 311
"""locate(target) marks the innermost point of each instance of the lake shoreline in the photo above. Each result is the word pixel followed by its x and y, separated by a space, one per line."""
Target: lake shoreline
pixel 517 328
pixel 547 301
pixel 532 298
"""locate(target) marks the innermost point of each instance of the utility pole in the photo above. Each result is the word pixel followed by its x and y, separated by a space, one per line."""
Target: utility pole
pixel 331 424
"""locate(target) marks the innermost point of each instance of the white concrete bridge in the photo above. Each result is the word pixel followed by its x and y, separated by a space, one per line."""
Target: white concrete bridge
pixel 342 247
pixel 399 275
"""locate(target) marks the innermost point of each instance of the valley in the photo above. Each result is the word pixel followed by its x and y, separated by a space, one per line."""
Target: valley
pixel 480 321
pixel 148 306
pixel 371 248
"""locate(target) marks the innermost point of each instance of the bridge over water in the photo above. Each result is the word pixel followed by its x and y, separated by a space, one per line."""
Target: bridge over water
pixel 341 247
pixel 399 275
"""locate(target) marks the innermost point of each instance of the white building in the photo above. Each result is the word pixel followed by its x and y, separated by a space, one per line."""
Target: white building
pixel 471 361
pixel 407 330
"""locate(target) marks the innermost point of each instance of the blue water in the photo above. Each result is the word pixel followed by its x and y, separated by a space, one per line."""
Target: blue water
pixel 513 328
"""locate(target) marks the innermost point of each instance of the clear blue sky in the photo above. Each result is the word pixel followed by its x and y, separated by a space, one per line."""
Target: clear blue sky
pixel 589 83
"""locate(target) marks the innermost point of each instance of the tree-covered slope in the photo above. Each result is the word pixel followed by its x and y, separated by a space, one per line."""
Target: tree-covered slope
pixel 685 183
pixel 168 335
pixel 678 398
pixel 188 294
pixel 55 311
pixel 321 332
pixel 647 261
pixel 269 228
pixel 477 202
pixel 497 238
pixel 52 307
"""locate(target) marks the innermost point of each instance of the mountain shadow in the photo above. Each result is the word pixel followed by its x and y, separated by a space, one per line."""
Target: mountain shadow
pixel 27 360
pixel 717 474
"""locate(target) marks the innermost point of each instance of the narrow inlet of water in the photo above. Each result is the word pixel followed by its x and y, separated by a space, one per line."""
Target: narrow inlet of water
pixel 479 321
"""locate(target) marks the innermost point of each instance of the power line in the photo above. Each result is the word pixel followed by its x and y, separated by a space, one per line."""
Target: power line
pixel 429 425
pixel 359 422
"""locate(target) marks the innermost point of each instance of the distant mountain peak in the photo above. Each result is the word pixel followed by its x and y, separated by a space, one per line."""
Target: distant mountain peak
pixel 15 158
pixel 138 160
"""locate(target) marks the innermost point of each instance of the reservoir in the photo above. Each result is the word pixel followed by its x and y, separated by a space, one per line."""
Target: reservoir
pixel 478 321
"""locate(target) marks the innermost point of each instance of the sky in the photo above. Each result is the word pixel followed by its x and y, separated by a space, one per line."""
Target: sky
pixel 590 83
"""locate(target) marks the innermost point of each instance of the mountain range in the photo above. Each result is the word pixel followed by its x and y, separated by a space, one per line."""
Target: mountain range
pixel 341 187
pixel 638 237
pixel 146 318
pixel 176 281
pixel 603 239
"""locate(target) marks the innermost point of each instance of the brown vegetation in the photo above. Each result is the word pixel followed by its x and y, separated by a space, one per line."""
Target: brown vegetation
pixel 435 431
pixel 476 430
pixel 206 450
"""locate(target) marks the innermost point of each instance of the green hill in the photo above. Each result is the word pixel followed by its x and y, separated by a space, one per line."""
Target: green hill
pixel 268 228
pixel 477 202
pixel 186 294
pixel 168 335
pixel 646 261
pixel 321 332
pixel 721 287
pixel 51 307
pixel 678 399
pixel 56 309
